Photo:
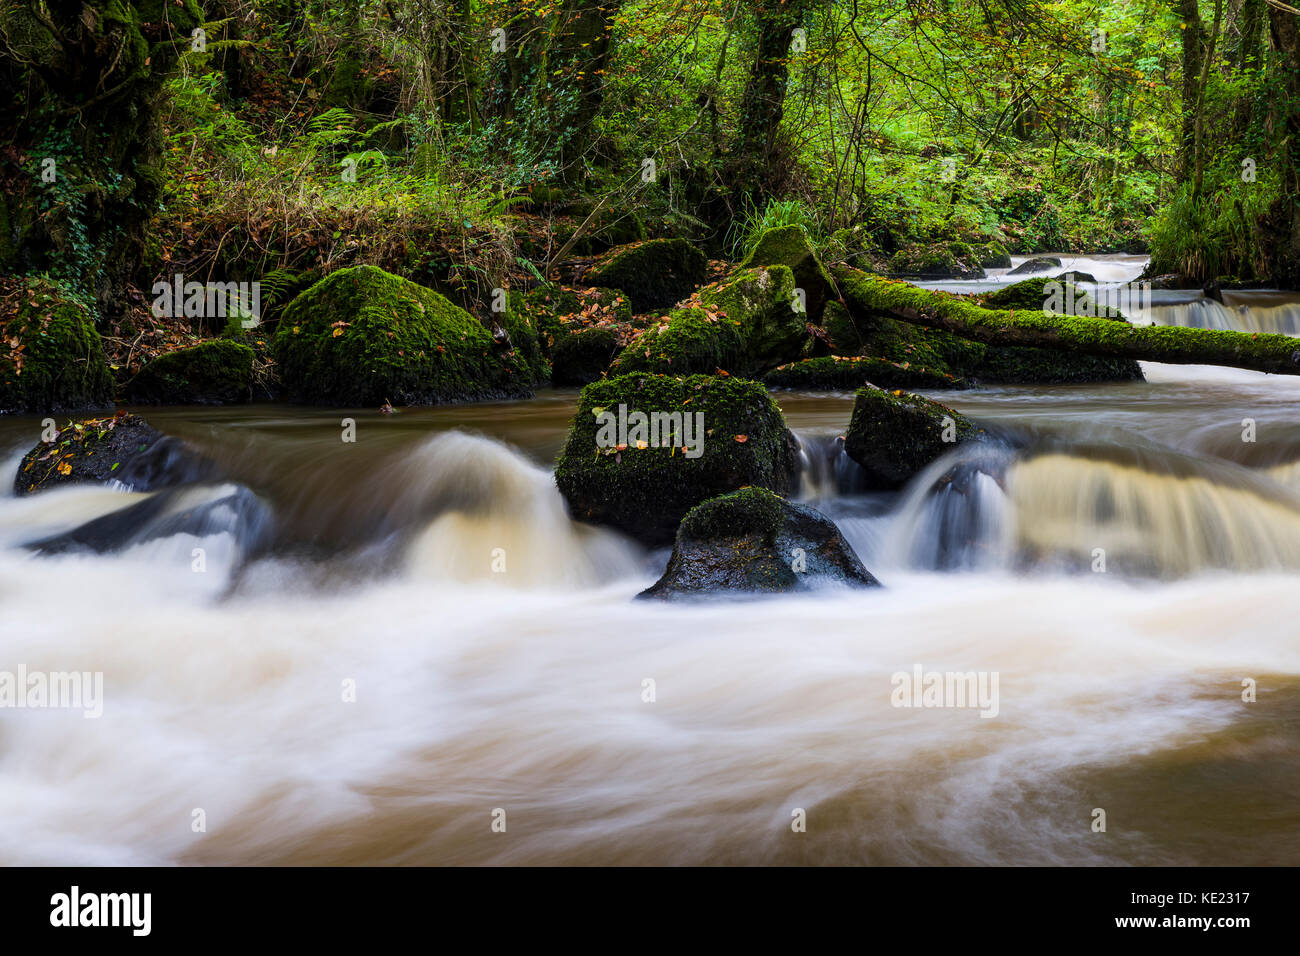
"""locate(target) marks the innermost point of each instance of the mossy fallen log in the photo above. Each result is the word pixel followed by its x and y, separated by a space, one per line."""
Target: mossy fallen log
pixel 868 294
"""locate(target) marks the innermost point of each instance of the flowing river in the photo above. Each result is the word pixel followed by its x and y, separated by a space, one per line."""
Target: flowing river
pixel 356 677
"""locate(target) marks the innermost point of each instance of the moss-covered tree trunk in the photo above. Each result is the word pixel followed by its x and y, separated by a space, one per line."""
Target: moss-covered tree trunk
pixel 865 295
pixel 546 88
pixel 84 175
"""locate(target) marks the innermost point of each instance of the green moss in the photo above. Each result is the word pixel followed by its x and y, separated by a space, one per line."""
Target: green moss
pixel 654 274
pixel 361 335
pixel 839 324
pixel 992 255
pixel 743 326
pixel 749 511
pixel 893 435
pixel 646 491
pixel 789 246
pixel 219 372
pixel 872 298
pixel 686 340
pixel 850 372
pixel 51 357
pixel 936 261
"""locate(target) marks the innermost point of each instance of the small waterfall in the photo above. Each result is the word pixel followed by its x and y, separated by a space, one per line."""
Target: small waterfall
pixel 1255 312
pixel 954 514
pixel 1127 510
pixel 500 520
pixel 826 471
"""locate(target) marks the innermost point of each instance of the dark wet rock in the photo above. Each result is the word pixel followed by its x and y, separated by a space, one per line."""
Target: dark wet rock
pixel 1077 277
pixel 1036 265
pixel 755 541
pixel 123 448
pixel 198 511
pixel 654 274
pixel 894 435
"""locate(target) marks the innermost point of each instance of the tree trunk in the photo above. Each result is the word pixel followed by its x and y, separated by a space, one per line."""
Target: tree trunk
pixel 547 87
pixel 762 104
pixel 865 294
pixel 1193 65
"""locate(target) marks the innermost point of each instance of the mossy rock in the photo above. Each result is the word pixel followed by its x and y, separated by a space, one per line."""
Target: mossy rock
pixel 755 541
pixel 654 274
pixel 893 434
pixel 789 246
pixel 853 371
pixel 361 336
pixel 744 326
pixel 992 255
pixel 646 491
pixel 583 356
pixel 51 357
pixel 219 372
pixel 936 261
pixel 123 448
pixel 524 337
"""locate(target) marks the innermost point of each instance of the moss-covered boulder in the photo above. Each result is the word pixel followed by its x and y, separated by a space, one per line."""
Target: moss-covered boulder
pixel 583 357
pixel 755 541
pixel 361 336
pixel 523 337
pixel 789 246
pixel 744 325
pixel 992 255
pixel 853 371
pixel 219 372
pixel 122 448
pixel 654 274
pixel 936 260
pixel 645 449
pixel 51 357
pixel 893 434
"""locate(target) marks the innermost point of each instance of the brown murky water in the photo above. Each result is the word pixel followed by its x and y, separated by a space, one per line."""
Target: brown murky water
pixel 372 689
